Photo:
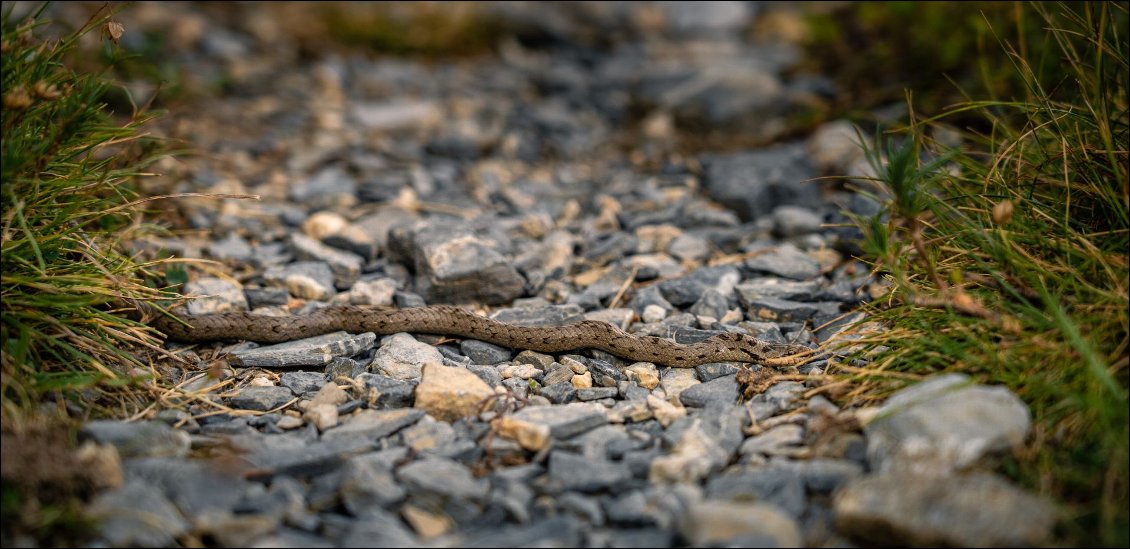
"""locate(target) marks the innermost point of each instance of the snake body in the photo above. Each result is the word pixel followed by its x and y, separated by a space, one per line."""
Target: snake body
pixel 453 321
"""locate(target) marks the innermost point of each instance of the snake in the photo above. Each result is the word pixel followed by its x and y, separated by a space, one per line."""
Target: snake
pixel 449 320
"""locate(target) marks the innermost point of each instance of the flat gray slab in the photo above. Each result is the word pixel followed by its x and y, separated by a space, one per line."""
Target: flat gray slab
pixel 312 351
pixel 565 421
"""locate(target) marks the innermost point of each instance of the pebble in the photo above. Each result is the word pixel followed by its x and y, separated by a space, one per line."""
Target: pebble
pixel 214 295
pixel 260 398
pixel 450 394
pixel 141 439
pixel 401 356
pixel 305 280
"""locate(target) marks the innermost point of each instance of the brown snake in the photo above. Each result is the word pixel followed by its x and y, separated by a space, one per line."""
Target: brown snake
pixel 453 321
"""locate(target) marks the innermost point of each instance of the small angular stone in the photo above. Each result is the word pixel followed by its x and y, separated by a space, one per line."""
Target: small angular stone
pixel 450 394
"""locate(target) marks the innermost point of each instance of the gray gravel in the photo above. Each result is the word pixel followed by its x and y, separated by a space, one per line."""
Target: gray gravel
pixel 503 184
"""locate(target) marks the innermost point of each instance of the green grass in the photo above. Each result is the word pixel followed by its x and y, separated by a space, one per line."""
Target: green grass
pixel 66 352
pixel 1008 259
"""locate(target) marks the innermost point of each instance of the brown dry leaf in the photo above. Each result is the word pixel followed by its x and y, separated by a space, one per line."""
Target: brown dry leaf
pixel 114 31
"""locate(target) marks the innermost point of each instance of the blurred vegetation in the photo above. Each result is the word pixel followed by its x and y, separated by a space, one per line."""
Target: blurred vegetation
pixel 428 29
pixel 1008 255
pixel 942 51
pixel 65 349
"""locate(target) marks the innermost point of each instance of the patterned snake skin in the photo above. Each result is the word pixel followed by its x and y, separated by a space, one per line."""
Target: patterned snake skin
pixel 453 321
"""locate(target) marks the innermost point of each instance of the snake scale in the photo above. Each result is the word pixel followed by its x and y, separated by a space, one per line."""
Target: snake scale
pixel 454 321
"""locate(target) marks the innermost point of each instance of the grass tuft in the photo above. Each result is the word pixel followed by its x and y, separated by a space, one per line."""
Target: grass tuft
pixel 66 351
pixel 1007 259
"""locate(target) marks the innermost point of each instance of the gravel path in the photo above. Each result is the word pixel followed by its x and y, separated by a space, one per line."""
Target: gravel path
pixel 550 183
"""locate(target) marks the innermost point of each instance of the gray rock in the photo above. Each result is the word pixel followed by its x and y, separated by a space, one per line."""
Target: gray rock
pixel 266 297
pixel 688 289
pixel 452 264
pixel 781 397
pixel 690 247
pixel 559 393
pixel 765 331
pixel 518 386
pixel 329 187
pixel 712 304
pixel 755 183
pixel 629 390
pixel 557 373
pixel 136 515
pixel 780 487
pixel 272 254
pixel 780 440
pixel 488 374
pixel 394 393
pixel 714 20
pixel 541 361
pixel 345 266
pixel 233 530
pixel 233 247
pixel 260 398
pixel 376 527
pixel 442 477
pixel 835 147
pixel 605 442
pixel 649 295
pixel 604 374
pixel 195 487
pixel 787 261
pixel 214 295
pixel 908 509
pixel 484 353
pixel 428 435
pixel 559 531
pixel 742 524
pixel 545 316
pixel 782 310
pixel 302 382
pixel 284 500
pixel 945 423
pixel 356 240
pixel 573 472
pixel 395 114
pixel 723 390
pixel 141 439
pixel 372 424
pixel 289 537
pixel 823 475
pixel 294 454
pixel 714 370
pixel 341 366
pixel 597 393
pixel 368 482
pixel 565 421
pixel 402 357
pixel 734 93
pixel 695 454
pixel 662 505
pixel 791 221
pixel 634 537
pixel 610 247
pixel 312 351
pixel 763 287
pixel 586 508
pixel 304 279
